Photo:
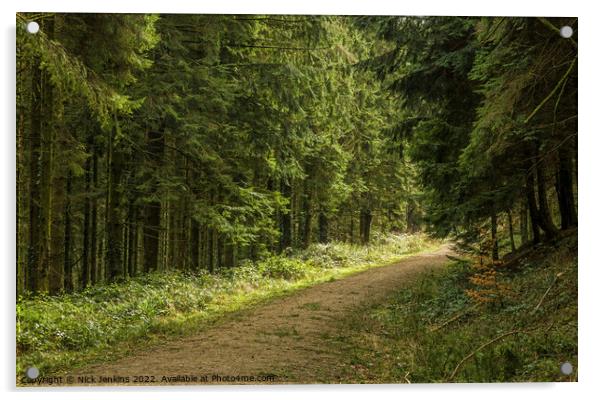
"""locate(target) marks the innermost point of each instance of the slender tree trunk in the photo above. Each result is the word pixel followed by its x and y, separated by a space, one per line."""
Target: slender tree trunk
pixel 132 229
pixel 94 275
pixel 100 273
pixel 229 255
pixel 361 226
pixel 85 275
pixel 285 222
pixel 545 218
pixel 194 244
pixel 211 250
pixel 533 213
pixel 37 226
pixel 40 207
pixel 511 231
pixel 204 240
pixel 564 188
pixel 296 214
pixel 365 225
pixel 55 198
pixel 524 228
pixel 171 234
pixel 410 217
pixel 125 234
pixel 152 210
pixel 185 234
pixel 152 226
pixel 114 244
pixel 53 184
pixel 68 278
pixel 21 224
pixel 220 251
pixel 351 227
pixel 495 255
pixel 322 227
pixel 307 223
pixel 136 249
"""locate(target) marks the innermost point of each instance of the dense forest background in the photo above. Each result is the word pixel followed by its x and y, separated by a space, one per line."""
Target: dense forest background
pixel 194 142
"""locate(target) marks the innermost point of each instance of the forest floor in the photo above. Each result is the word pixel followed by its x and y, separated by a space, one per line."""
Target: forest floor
pixel 288 340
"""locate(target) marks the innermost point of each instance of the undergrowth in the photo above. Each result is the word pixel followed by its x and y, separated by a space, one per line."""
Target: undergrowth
pixel 438 330
pixel 61 332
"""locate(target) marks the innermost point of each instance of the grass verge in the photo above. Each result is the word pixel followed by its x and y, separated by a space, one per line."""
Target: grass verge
pixel 61 333
pixel 454 326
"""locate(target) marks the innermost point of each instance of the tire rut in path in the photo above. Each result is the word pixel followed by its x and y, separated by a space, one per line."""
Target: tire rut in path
pixel 289 337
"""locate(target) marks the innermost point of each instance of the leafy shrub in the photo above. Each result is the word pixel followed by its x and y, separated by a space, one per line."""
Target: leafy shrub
pixel 283 268
pixel 330 255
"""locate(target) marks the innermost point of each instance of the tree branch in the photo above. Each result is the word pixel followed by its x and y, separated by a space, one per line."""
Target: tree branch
pixel 481 347
pixel 454 318
pixel 549 96
pixel 277 47
pixel 553 28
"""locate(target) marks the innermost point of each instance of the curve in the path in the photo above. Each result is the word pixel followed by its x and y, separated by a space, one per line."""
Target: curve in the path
pixel 288 337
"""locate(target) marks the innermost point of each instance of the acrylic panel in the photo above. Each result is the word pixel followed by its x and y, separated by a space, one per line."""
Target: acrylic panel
pixel 276 199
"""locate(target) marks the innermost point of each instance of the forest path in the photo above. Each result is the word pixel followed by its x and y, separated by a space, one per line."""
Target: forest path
pixel 290 337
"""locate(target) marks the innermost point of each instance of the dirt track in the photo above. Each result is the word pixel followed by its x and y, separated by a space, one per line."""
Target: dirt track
pixel 289 337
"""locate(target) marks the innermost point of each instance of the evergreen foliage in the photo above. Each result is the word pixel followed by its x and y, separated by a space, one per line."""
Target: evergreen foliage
pixel 196 142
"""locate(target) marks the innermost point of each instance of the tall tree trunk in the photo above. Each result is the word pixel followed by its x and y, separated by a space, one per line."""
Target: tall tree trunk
pixel 171 236
pixel 36 256
pixel 100 273
pixel 194 244
pixel 52 184
pixel 411 226
pixel 229 261
pixel 495 255
pixel 307 225
pixel 211 250
pixel 185 234
pixel 564 189
pixel 203 241
pixel 152 210
pixel 56 203
pixel 94 274
pixel 322 227
pixel 351 227
pixel 511 231
pixel 296 214
pixel 220 250
pixel 285 218
pixel 136 255
pixel 533 213
pixel 524 228
pixel 85 275
pixel 114 244
pixel 545 218
pixel 21 224
pixel 132 240
pixel 68 275
pixel 40 205
pixel 151 230
pixel 365 224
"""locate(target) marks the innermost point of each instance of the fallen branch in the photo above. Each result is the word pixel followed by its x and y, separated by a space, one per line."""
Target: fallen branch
pixel 558 275
pixel 481 347
pixel 454 318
